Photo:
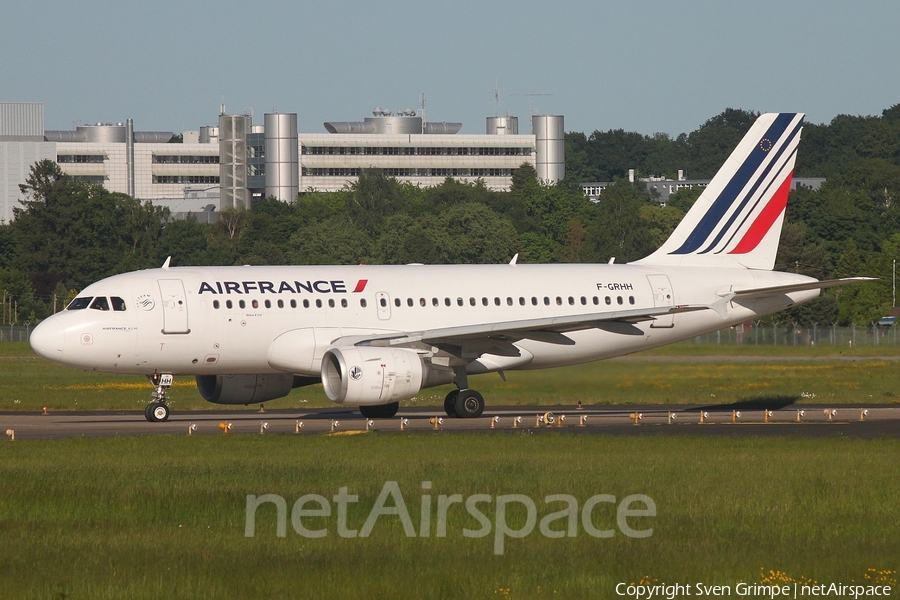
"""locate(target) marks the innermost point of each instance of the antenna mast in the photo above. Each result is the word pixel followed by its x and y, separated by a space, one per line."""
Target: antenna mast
pixel 531 96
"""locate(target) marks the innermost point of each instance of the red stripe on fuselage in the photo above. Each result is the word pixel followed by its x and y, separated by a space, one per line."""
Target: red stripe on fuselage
pixel 765 220
pixel 360 286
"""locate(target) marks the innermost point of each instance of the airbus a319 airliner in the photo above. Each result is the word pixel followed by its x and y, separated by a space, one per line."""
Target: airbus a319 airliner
pixel 375 335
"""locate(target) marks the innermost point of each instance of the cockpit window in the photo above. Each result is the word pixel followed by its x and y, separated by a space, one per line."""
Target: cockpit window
pixel 100 303
pixel 117 303
pixel 79 303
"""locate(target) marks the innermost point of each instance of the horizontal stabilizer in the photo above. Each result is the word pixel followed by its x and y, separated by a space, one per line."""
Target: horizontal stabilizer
pixel 794 287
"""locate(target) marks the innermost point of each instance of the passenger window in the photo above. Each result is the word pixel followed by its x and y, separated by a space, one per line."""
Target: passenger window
pixel 484 302
pixel 397 302
pixel 521 301
pixel 117 303
pixel 534 301
pixel 571 301
pixel 228 304
pixel 496 301
pixel 318 304
pixel 100 303
pixel 422 302
pixel 255 303
pixel 409 301
pixel 383 303
pixel 331 303
pixel 619 300
pixel 583 300
pixel 509 301
pixel 79 303
pixel 362 302
pixel 281 304
pixel 306 304
pixel 293 303
pixel 343 303
pixel 471 301
pixel 446 301
pixel 630 299
pixel 546 301
pixel 459 301
pixel 242 304
pixel 608 300
pixel 558 301
pixel 596 300
pixel 435 302
pixel 216 304
pixel 268 304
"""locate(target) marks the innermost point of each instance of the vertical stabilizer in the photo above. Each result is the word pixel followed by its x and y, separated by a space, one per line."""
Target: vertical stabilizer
pixel 736 221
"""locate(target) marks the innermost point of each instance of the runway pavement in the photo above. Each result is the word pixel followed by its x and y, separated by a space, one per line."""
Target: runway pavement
pixel 731 420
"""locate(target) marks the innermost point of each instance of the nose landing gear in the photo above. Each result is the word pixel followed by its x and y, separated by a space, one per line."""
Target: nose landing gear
pixel 158 409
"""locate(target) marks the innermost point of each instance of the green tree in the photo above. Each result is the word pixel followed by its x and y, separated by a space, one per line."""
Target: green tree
pixel 618 230
pixel 373 198
pixel 334 241
pixel 75 233
pixel 478 235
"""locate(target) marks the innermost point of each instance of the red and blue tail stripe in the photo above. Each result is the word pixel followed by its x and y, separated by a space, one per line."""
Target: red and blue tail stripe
pixel 736 221
pixel 740 197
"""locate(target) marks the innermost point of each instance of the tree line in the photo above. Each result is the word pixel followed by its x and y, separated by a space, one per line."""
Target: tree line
pixel 71 233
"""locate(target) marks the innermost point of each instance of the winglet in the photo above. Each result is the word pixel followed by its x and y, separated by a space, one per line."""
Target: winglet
pixel 515 259
pixel 166 264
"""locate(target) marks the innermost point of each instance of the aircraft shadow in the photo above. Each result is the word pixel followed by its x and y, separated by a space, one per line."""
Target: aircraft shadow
pixel 764 403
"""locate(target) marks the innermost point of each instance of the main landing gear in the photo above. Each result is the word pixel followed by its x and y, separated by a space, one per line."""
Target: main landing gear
pixel 158 410
pixel 463 402
pixel 466 404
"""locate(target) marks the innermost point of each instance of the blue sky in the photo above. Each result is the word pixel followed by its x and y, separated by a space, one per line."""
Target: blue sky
pixel 647 66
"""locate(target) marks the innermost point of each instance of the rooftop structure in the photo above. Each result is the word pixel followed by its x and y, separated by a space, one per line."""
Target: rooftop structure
pixel 234 162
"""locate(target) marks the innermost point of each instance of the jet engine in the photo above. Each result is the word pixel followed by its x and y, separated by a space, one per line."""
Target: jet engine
pixel 371 375
pixel 247 389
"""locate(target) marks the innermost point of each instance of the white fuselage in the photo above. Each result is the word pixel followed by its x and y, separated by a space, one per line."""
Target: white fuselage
pixel 226 320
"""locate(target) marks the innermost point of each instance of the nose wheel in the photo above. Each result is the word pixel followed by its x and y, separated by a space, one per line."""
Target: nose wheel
pixel 158 410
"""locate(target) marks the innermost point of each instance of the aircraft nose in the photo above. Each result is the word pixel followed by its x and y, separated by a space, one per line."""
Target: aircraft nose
pixel 47 340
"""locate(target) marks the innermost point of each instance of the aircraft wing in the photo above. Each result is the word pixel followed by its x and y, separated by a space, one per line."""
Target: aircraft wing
pixel 548 329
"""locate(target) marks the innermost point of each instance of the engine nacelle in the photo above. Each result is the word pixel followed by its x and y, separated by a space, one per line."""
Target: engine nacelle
pixel 244 389
pixel 371 375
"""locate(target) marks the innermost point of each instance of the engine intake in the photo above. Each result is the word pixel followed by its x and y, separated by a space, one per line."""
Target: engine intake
pixel 244 389
pixel 371 375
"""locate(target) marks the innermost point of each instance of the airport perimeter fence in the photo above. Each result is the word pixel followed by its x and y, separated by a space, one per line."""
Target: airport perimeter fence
pixel 15 333
pixel 747 334
pixel 794 335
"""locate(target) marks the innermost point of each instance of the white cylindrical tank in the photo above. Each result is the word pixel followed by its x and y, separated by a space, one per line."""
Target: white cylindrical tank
pixel 550 147
pixel 282 156
pixel 502 125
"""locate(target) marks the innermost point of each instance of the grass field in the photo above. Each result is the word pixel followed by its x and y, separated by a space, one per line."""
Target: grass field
pixel 164 517
pixel 684 377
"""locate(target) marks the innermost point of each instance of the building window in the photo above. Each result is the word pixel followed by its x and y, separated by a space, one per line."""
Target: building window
pixel 80 158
